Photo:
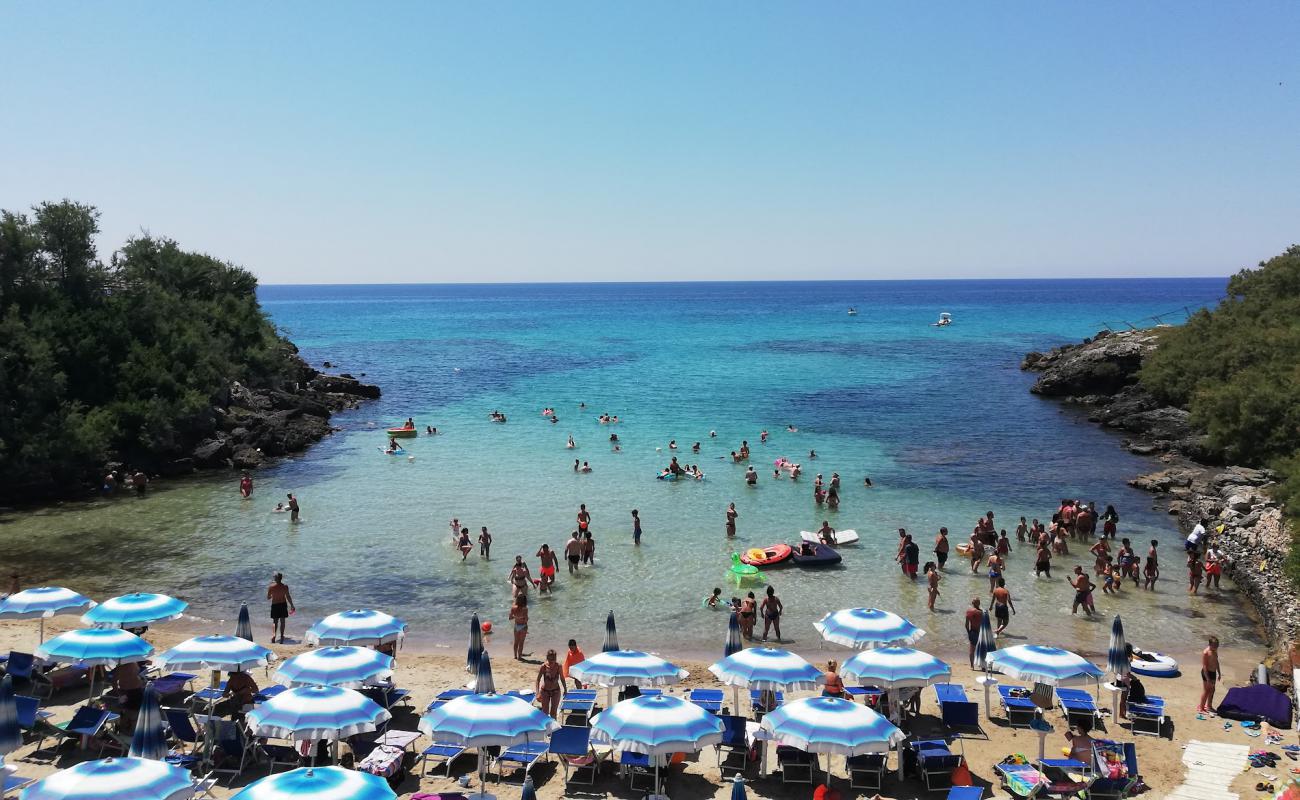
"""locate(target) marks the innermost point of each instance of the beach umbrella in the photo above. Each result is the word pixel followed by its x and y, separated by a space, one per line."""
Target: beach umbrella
pixel 738 788
pixel 345 667
pixel 11 735
pixel 115 779
pixel 656 726
pixel 483 683
pixel 244 626
pixel 896 668
pixel 357 627
pixel 95 647
pixel 1117 653
pixel 610 644
pixel 766 668
pixel 475 643
pixel 216 653
pixel 1042 664
pixel 864 628
pixel 626 668
pixel 985 644
pixel 148 741
pixel 529 792
pixel 42 604
pixel 316 712
pixel 134 610
pixel 733 636
pixel 318 783
pixel 832 725
pixel 486 720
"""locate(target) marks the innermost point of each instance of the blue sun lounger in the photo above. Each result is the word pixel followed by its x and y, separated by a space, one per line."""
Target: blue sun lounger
pixel 935 762
pixel 958 713
pixel 1077 705
pixel 1020 711
pixel 521 754
pixel 708 699
pixel 579 702
pixel 1117 788
pixel 1147 718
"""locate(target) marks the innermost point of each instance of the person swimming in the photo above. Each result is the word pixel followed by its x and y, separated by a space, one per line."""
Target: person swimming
pixel 279 509
pixel 791 429
pixel 585 467
pixel 570 444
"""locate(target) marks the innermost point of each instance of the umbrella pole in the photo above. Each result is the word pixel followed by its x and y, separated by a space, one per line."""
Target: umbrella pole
pixel 735 700
pixel 899 748
pixel 42 641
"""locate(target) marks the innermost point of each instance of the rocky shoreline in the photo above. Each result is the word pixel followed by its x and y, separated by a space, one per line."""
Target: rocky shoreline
pixel 1101 376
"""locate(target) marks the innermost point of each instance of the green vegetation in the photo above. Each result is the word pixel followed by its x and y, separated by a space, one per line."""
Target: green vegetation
pixel 1237 369
pixel 120 361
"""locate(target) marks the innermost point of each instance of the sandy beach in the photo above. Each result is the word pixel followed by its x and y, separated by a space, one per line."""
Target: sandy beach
pixel 427 673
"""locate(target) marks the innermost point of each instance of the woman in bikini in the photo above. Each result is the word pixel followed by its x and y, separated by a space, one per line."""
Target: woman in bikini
pixel 519 615
pixel 834 683
pixel 520 577
pixel 748 613
pixel 731 519
pixel 932 579
pixel 550 685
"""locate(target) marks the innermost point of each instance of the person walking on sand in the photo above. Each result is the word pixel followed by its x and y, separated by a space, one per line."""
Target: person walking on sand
pixel 573 552
pixel 932 578
pixel 519 616
pixel 772 609
pixel 573 655
pixel 636 527
pixel 1209 675
pixel 550 685
pixel 1002 603
pixel 941 547
pixel 246 486
pixel 485 544
pixel 974 618
pixel 731 519
pixel 293 508
pixel 281 605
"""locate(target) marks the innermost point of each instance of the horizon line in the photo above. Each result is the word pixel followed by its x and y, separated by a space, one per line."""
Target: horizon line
pixel 760 280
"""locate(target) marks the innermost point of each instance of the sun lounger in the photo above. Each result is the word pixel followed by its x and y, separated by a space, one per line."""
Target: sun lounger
pixel 764 702
pixel 386 696
pixel 29 712
pixel 1020 710
pixel 279 755
pixel 1021 780
pixel 522 754
pixel 735 741
pixel 1077 705
pixel 181 726
pixel 1116 768
pixel 867 771
pixel 87 723
pixel 638 766
pixel 958 713
pixel 708 699
pixel 935 762
pixel 440 753
pixel 22 667
pixel 1066 777
pixel 12 784
pixel 572 746
pixel 797 766
pixel 579 702
pixel 966 793
pixel 173 683
pixel 235 746
pixel 1148 718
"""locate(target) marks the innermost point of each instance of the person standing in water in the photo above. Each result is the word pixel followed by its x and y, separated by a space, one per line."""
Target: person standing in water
pixel 1002 603
pixel 772 609
pixel 293 508
pixel 246 486
pixel 281 605
pixel 636 527
pixel 584 518
pixel 941 547
pixel 573 552
pixel 932 578
pixel 485 544
pixel 731 519
pixel 549 562
pixel 520 577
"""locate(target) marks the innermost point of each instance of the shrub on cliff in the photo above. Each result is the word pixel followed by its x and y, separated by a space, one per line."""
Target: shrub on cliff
pixel 119 360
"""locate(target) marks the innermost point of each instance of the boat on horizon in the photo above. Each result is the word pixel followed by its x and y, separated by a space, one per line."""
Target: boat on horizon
pixel 945 319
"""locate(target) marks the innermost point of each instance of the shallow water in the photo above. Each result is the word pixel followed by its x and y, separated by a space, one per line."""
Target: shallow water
pixel 940 419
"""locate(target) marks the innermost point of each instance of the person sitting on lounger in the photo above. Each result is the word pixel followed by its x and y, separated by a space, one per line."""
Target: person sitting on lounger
pixel 240 691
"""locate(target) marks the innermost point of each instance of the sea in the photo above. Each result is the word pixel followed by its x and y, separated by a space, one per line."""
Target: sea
pixel 939 418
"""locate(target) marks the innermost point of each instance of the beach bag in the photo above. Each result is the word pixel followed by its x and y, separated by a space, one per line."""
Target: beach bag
pixel 961 774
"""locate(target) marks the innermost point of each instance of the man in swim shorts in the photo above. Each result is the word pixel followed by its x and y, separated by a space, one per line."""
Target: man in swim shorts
pixel 549 563
pixel 1082 588
pixel 584 518
pixel 941 547
pixel 974 618
pixel 573 552
pixel 281 605
pixel 1002 604
pixel 1209 675
pixel 636 527
pixel 485 543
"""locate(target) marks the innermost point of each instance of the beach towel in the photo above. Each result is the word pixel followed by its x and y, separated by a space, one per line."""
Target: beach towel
pixel 1257 702
pixel 1022 779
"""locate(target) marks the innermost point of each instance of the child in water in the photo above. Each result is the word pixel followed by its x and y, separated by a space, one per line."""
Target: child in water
pixel 714 599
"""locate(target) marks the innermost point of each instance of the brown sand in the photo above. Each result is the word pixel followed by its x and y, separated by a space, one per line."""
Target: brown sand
pixel 425 674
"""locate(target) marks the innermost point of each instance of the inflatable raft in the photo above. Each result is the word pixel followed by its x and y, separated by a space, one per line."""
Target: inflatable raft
pixel 766 556
pixel 821 556
pixel 742 573
pixel 841 537
pixel 403 433
pixel 1153 664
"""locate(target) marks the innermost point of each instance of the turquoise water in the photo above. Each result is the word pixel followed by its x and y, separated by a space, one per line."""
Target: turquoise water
pixel 940 419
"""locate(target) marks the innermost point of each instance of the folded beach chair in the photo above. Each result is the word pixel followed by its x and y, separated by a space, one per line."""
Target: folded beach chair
pixel 1116 768
pixel 22 667
pixel 708 699
pixel 935 762
pixel 521 754
pixel 29 711
pixel 867 771
pixel 1147 718
pixel 580 703
pixel 1077 705
pixel 1021 780
pixel 234 747
pixel 572 746
pixel 958 713
pixel 88 721
pixel 440 753
pixel 1018 705
pixel 797 766
pixel 735 741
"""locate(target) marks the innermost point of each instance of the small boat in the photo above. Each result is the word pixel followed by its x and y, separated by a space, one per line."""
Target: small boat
pixel 403 433
pixel 853 312
pixel 841 537
pixel 945 319
pixel 768 556
pixel 821 556
pixel 1153 664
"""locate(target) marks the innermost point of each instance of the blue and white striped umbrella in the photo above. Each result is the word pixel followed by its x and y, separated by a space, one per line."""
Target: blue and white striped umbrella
pixel 627 668
pixel 42 604
pixel 768 668
pixel 115 779
pixel 11 735
pixel 529 792
pixel 318 783
pixel 358 627
pixel 656 725
pixel 346 667
pixel 896 668
pixel 1116 654
pixel 475 643
pixel 148 741
pixel 865 628
pixel 244 625
pixel 733 644
pixel 738 788
pixel 985 643
pixel 316 712
pixel 610 644
pixel 95 647
pixel 134 610
pixel 220 653
pixel 1042 664
pixel 483 683
pixel 486 720
pixel 831 725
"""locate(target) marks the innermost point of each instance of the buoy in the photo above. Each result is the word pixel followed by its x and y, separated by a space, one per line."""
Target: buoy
pixel 486 626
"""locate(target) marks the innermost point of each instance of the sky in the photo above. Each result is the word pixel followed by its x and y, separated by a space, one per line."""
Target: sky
pixel 330 142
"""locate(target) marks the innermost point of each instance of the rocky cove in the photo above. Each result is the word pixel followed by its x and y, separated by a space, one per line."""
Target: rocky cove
pixel 1100 376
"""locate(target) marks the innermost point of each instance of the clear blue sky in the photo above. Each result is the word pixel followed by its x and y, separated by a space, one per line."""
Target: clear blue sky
pixel 350 142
